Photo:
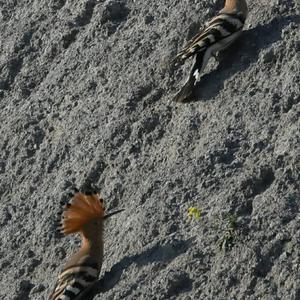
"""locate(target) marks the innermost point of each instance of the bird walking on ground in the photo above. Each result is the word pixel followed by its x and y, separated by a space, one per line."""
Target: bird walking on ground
pixel 216 36
pixel 84 214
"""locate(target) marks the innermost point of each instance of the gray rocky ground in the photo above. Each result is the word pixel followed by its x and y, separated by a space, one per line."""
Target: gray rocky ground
pixel 85 96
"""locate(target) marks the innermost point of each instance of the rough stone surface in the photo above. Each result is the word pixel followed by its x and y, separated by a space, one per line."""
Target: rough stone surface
pixel 85 96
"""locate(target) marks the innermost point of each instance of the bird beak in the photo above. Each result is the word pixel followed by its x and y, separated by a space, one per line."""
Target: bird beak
pixel 112 213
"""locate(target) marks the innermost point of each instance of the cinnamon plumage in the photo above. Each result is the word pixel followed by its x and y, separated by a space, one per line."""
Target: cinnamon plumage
pixel 85 214
pixel 216 36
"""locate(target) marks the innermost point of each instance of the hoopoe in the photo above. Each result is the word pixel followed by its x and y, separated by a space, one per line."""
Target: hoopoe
pixel 216 36
pixel 84 214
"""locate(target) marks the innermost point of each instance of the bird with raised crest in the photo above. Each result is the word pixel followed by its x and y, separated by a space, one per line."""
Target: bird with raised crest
pixel 84 214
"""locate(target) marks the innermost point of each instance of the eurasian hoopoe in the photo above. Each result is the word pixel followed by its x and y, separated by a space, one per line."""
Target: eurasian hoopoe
pixel 218 34
pixel 85 214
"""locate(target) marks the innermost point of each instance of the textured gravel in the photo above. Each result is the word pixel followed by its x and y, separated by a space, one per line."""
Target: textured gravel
pixel 85 96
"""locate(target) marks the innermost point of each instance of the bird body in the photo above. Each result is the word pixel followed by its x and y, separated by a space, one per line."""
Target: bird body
pixel 217 35
pixel 85 214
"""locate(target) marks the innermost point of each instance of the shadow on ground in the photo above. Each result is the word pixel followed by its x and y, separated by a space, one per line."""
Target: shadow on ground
pixel 158 253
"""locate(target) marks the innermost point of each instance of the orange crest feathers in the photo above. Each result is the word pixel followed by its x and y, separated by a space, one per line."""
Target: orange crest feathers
pixel 82 209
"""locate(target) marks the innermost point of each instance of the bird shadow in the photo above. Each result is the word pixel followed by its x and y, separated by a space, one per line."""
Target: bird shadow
pixel 246 49
pixel 158 253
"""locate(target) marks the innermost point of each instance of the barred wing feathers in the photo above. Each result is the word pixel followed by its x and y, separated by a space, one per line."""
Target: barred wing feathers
pixel 220 27
pixel 74 282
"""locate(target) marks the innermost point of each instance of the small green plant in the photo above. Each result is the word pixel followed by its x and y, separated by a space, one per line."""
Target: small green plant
pixel 227 241
pixel 194 212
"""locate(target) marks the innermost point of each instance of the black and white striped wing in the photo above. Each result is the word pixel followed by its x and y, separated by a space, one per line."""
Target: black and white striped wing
pixel 74 282
pixel 220 28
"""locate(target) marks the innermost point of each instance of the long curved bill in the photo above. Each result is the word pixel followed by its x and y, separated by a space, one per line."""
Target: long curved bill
pixel 112 213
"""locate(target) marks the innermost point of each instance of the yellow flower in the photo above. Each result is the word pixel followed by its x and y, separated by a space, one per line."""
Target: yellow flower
pixel 194 212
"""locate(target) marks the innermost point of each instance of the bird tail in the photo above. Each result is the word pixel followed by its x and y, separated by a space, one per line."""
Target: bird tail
pixel 187 91
pixel 82 209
